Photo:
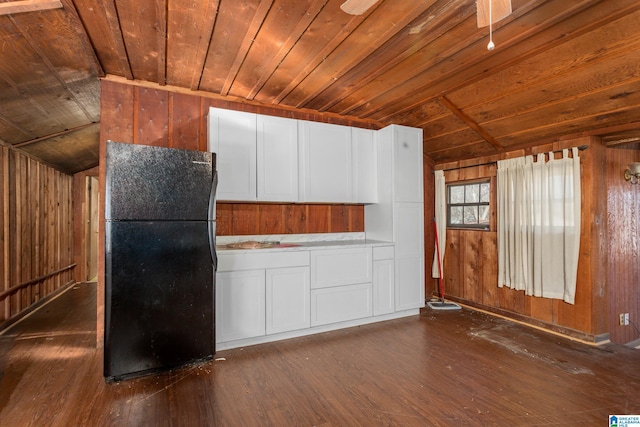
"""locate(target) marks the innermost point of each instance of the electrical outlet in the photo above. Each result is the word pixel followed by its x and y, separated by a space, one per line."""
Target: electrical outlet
pixel 626 319
pixel 621 319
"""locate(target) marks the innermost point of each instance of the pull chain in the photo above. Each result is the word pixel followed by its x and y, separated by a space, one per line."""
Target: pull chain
pixel 491 45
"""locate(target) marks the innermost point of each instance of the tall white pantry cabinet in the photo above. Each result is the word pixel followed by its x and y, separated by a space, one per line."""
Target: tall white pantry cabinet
pixel 399 214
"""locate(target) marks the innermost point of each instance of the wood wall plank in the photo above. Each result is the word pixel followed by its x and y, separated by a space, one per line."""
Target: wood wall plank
pixel 36 232
pixel 623 227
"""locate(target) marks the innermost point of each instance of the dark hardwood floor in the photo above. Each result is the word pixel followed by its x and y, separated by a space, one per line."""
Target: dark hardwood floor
pixel 443 368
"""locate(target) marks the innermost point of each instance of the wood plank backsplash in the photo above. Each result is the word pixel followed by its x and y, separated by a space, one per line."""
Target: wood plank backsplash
pixel 256 218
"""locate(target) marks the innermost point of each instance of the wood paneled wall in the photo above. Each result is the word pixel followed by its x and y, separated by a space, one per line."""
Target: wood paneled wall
pixel 470 265
pixel 36 233
pixel 83 254
pixel 623 247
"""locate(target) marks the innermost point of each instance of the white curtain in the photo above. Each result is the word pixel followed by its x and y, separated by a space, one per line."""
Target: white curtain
pixel 539 225
pixel 441 222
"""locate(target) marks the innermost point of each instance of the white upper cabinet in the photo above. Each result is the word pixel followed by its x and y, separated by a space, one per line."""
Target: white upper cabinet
pixel 257 156
pixel 325 163
pixel 407 158
pixel 277 159
pixel 232 136
pixel 363 149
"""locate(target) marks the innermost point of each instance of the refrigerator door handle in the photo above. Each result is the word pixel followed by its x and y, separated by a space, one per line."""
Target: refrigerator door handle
pixel 211 216
pixel 212 244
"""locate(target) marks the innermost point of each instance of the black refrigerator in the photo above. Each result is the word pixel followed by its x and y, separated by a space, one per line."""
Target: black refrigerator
pixel 160 259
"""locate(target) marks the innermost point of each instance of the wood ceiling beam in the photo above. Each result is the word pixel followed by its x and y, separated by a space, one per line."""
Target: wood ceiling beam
pixel 473 125
pixel 13 7
pixel 249 37
pixel 81 31
pixel 111 13
pixel 294 36
pixel 54 135
pixel 161 37
pixel 209 19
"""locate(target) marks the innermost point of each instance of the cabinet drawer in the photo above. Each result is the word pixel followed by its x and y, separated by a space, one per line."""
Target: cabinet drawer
pixel 382 252
pixel 261 258
pixel 340 267
pixel 341 303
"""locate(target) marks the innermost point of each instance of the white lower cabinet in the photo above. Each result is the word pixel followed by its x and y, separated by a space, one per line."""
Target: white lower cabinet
pixel 240 308
pixel 341 286
pixel 268 295
pixel 287 299
pixel 341 303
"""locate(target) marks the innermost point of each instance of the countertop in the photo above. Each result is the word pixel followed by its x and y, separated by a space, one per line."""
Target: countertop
pixel 298 242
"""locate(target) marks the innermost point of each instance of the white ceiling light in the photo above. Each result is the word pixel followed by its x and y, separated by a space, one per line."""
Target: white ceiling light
pixel 357 7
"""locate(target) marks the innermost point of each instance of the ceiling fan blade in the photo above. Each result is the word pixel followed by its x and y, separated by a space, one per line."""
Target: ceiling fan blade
pixel 357 7
pixel 500 9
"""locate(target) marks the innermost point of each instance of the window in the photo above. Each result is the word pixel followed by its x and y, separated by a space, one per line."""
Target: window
pixel 468 205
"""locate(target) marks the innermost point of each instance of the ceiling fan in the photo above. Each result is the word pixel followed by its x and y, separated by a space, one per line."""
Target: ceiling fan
pixel 357 7
pixel 490 11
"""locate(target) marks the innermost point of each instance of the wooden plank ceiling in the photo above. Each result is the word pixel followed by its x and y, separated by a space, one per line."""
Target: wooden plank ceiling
pixel 559 68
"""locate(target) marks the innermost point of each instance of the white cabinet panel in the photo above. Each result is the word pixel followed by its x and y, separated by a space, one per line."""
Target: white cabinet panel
pixel 383 287
pixel 409 283
pixel 340 267
pixel 277 162
pixel 261 259
pixel 232 136
pixel 341 303
pixel 325 163
pixel 408 181
pixel 364 165
pixel 240 307
pixel 288 302
pixel 409 255
pixel 408 229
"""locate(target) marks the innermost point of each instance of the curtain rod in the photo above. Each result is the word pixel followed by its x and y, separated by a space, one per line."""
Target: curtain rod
pixel 581 148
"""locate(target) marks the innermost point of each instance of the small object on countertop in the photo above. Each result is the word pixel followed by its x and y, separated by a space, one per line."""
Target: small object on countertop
pixel 252 244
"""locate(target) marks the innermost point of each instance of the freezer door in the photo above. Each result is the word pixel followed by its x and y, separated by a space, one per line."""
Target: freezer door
pixel 159 305
pixel 157 183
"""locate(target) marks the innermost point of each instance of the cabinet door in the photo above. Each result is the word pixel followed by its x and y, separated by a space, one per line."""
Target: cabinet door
pixel 409 255
pixel 340 303
pixel 383 289
pixel 407 151
pixel 340 267
pixel 364 165
pixel 325 163
pixel 287 299
pixel 240 305
pixel 232 136
pixel 277 152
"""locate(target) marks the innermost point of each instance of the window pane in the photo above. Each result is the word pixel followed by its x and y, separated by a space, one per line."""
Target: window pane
pixel 456 194
pixel 470 214
pixel 484 192
pixel 455 215
pixel 472 195
pixel 484 215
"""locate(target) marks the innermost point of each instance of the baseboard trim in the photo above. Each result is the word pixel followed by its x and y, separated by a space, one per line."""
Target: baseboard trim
pixel 562 331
